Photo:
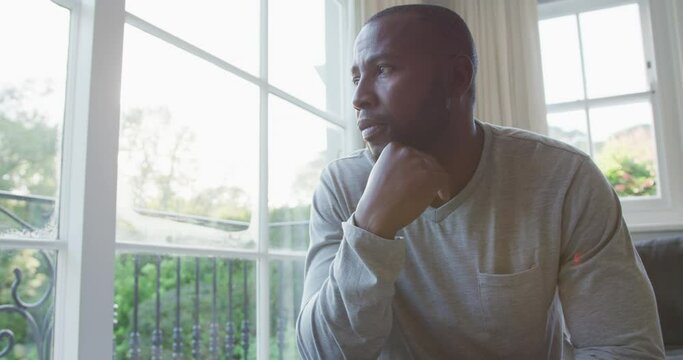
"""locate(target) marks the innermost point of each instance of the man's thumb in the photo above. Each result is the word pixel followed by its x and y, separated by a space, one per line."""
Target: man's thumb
pixel 443 194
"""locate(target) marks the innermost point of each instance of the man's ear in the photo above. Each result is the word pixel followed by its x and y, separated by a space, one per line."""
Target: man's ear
pixel 462 75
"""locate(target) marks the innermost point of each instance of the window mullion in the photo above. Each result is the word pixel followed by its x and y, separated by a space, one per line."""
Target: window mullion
pixel 263 263
pixel 85 287
pixel 606 101
pixel 648 46
pixel 163 35
pixel 585 86
pixel 184 250
pixel 10 242
pixel 262 81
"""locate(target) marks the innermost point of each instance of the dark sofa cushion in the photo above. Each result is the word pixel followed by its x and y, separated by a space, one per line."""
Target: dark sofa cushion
pixel 663 261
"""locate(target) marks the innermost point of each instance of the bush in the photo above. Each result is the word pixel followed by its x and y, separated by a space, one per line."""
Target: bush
pixel 631 178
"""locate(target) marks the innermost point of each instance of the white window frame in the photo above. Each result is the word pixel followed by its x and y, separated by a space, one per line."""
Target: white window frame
pixel 86 244
pixel 661 36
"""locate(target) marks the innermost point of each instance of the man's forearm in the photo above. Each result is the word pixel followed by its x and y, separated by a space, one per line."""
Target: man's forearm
pixel 351 314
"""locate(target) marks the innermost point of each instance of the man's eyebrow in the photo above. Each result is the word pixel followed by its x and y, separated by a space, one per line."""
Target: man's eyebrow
pixel 374 58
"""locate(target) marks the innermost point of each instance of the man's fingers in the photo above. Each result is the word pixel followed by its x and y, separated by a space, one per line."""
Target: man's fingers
pixel 443 195
pixel 443 185
pixel 439 176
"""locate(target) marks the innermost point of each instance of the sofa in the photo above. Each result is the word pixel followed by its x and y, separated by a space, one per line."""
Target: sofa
pixel 663 261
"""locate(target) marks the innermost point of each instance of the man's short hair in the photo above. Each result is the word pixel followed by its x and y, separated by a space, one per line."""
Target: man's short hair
pixel 448 22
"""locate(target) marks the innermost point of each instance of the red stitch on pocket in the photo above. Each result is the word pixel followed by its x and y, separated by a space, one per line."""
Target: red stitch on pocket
pixel 577 258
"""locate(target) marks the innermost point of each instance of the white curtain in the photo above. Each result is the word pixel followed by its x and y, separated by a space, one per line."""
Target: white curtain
pixel 371 7
pixel 510 79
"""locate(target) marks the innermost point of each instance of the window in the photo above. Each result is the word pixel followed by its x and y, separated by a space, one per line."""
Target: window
pixel 32 98
pixel 598 93
pixel 161 160
pixel 604 95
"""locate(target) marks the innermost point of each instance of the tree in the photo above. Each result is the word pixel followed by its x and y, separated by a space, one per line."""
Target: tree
pixel 627 160
pixel 28 166
pixel 28 152
pixel 163 168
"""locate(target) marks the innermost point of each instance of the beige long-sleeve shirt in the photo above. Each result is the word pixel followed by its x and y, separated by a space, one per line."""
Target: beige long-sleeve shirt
pixel 534 244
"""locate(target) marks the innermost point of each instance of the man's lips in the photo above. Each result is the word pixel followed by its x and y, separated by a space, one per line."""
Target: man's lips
pixel 370 133
pixel 370 129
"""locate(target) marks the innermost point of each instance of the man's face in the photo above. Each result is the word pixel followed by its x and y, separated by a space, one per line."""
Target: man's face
pixel 399 94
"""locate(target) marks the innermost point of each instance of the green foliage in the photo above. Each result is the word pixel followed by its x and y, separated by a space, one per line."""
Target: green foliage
pixel 286 287
pixel 124 296
pixel 164 170
pixel 631 178
pixel 28 153
pixel 28 143
pixel 289 236
pixel 29 159
pixel 36 278
pixel 627 160
pixel 28 165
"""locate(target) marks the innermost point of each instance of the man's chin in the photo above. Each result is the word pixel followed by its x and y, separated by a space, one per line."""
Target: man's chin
pixel 375 149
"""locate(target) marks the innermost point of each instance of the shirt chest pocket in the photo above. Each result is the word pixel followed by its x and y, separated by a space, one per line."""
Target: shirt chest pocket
pixel 514 307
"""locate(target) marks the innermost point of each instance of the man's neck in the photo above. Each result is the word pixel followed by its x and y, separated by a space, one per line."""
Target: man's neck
pixel 459 153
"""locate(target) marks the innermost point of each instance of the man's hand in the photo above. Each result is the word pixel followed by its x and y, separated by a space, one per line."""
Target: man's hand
pixel 403 182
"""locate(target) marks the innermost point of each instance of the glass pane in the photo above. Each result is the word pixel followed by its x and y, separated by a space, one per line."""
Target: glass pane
pixel 34 35
pixel 296 49
pixel 188 153
pixel 300 145
pixel 26 322
pixel 624 147
pixel 561 58
pixel 286 288
pixel 227 29
pixel 569 127
pixel 613 51
pixel 182 307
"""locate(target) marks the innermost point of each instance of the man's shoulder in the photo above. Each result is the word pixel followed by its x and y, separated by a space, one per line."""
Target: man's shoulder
pixel 514 141
pixel 357 160
pixel 356 165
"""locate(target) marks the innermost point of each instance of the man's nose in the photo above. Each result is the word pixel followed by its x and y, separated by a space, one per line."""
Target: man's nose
pixel 364 96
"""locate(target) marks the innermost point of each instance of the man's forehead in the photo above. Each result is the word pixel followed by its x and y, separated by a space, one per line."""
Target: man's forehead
pixel 393 33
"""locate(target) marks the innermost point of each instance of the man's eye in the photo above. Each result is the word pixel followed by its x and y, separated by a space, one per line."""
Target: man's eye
pixel 383 69
pixel 355 80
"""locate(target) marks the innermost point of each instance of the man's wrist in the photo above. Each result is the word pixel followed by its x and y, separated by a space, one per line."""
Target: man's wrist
pixel 367 224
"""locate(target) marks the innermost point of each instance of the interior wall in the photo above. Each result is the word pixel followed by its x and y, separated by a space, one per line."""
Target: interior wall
pixel 647 235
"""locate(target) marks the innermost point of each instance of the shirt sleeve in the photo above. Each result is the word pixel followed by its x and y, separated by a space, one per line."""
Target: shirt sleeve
pixel 348 286
pixel 607 299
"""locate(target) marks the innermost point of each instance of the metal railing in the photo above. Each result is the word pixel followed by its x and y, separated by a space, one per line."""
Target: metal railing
pixel 194 329
pixel 230 339
pixel 39 322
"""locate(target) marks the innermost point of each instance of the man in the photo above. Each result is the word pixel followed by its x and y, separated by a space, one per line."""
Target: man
pixel 452 238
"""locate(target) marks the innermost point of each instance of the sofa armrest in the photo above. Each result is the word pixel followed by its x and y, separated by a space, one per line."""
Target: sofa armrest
pixel 663 261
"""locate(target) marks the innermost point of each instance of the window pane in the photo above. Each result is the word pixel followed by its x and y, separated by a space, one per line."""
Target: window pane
pixel 624 147
pixel 181 306
pixel 570 127
pixel 188 153
pixel 27 321
pixel 296 49
pixel 34 35
pixel 286 288
pixel 561 59
pixel 227 29
pixel 300 146
pixel 613 51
